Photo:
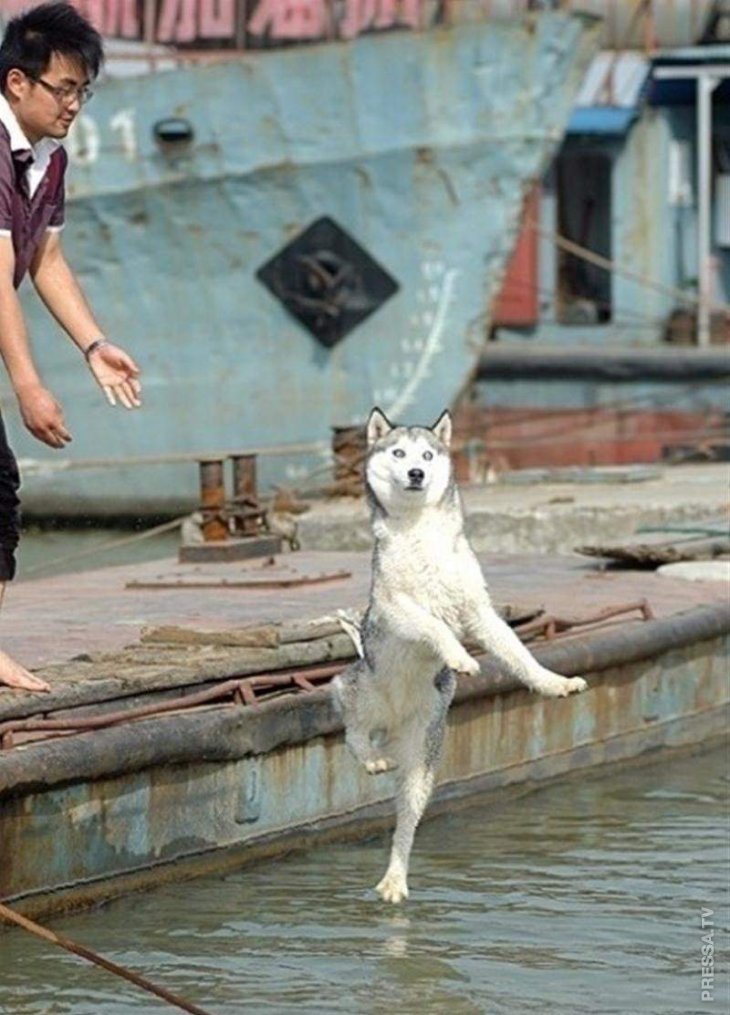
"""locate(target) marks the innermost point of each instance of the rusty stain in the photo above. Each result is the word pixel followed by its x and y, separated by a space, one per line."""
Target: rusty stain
pixel 449 185
pixel 139 218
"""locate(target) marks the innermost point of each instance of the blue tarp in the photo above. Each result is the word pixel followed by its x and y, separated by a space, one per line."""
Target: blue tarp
pixel 601 119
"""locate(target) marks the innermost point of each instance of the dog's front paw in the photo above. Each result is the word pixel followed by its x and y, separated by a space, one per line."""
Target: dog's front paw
pixel 393 887
pixel 464 663
pixel 378 765
pixel 553 686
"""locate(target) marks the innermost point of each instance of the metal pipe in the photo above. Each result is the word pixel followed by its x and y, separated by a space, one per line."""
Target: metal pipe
pixel 706 84
pixel 99 960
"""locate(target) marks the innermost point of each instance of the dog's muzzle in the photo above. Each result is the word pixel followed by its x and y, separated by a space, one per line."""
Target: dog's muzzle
pixel 415 479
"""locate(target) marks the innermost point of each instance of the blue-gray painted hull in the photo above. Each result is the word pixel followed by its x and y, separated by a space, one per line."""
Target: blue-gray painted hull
pixel 418 144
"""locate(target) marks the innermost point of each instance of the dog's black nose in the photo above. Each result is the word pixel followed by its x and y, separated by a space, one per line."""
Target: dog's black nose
pixel 416 475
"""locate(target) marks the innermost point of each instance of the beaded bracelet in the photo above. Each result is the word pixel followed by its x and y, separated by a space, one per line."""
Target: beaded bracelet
pixel 96 344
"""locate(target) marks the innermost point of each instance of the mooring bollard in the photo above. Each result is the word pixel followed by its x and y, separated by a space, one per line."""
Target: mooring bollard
pixel 213 500
pixel 233 529
pixel 246 512
pixel 349 447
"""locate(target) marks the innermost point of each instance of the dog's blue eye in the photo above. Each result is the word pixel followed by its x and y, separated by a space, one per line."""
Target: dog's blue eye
pixel 399 453
pixel 428 455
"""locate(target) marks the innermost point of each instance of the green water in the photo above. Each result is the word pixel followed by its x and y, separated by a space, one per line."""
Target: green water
pixel 585 897
pixel 46 552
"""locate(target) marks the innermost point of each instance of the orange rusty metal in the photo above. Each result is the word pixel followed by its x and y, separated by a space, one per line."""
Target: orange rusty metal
pixel 241 691
pixel 551 626
pixel 246 512
pixel 349 449
pixel 213 500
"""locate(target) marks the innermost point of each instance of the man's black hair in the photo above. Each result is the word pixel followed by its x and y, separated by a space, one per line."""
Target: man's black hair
pixel 33 37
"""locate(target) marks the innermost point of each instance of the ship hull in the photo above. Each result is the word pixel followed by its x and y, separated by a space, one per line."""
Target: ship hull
pixel 419 145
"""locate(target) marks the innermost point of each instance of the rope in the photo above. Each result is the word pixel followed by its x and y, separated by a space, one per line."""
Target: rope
pixel 112 544
pixel 29 465
pixel 604 262
pixel 86 953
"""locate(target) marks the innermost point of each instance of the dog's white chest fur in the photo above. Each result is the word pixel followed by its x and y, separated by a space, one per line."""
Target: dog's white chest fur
pixel 429 561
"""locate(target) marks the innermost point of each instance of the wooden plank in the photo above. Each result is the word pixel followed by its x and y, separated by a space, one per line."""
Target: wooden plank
pixel 667 545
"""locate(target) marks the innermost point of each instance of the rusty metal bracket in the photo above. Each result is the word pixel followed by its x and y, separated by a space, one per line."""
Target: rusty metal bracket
pixel 550 626
pixel 241 691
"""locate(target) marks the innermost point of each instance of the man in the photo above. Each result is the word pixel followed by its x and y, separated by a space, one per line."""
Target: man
pixel 48 58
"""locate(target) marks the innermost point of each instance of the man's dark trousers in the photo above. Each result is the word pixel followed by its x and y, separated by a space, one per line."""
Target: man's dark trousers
pixel 9 516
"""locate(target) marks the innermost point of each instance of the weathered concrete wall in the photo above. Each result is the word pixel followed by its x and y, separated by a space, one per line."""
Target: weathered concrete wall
pixel 546 517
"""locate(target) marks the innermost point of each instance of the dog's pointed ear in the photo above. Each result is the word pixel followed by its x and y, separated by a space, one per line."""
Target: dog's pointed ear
pixel 378 426
pixel 442 428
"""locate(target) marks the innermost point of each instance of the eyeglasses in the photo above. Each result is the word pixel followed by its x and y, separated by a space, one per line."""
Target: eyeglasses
pixel 64 94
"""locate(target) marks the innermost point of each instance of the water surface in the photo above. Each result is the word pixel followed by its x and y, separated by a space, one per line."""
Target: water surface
pixel 583 897
pixel 49 551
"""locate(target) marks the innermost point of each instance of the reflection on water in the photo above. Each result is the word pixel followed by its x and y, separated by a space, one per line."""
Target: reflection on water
pixel 584 897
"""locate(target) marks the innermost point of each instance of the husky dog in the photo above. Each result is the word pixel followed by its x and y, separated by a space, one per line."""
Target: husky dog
pixel 428 595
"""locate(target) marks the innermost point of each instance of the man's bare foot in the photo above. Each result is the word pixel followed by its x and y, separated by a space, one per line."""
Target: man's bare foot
pixel 17 677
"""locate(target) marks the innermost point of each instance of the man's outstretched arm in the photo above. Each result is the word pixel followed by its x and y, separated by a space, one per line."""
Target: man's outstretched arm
pixel 115 371
pixel 41 413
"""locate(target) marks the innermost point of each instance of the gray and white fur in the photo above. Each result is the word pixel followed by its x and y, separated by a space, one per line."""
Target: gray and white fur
pixel 427 597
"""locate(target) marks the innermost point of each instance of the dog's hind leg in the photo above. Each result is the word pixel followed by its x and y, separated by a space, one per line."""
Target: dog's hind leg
pixel 414 789
pixel 419 756
pixel 365 735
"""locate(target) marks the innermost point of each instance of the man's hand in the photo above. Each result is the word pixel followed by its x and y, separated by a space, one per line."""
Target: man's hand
pixel 43 415
pixel 117 375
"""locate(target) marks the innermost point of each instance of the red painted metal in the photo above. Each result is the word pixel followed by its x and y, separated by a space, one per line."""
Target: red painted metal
pixel 525 438
pixel 517 302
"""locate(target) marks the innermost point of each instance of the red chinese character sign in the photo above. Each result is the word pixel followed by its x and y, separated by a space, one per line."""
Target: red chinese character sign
pixel 252 23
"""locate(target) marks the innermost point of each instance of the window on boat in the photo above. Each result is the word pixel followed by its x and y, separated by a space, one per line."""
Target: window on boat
pixel 583 192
